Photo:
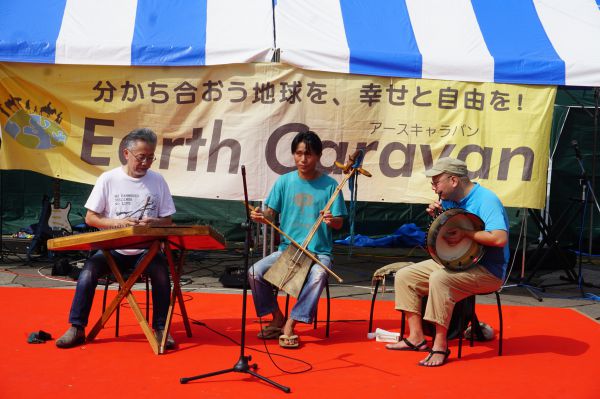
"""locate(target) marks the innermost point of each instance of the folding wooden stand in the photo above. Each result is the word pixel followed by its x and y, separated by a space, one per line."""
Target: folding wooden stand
pixel 153 239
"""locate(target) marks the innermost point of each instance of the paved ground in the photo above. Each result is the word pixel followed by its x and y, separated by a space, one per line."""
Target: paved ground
pixel 203 270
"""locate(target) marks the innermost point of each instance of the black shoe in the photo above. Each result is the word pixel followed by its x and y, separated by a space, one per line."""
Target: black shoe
pixel 74 336
pixel 169 344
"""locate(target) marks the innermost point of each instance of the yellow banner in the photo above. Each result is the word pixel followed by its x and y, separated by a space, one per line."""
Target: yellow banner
pixel 68 121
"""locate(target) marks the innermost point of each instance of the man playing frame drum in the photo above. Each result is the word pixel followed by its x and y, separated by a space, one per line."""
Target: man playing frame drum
pixel 299 198
pixel 445 287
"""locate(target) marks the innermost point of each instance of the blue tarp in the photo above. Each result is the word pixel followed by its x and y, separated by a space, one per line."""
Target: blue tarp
pixel 408 235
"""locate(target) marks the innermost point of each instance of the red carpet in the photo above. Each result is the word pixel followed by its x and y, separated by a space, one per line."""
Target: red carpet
pixel 549 353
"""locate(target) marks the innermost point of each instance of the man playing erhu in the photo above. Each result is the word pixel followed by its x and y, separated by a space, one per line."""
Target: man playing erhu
pixel 299 198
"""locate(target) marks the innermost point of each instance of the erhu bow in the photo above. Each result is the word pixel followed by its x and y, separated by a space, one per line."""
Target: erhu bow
pixel 298 246
pixel 289 272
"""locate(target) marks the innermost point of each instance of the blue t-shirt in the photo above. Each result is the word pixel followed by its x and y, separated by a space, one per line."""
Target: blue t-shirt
pixel 485 204
pixel 298 203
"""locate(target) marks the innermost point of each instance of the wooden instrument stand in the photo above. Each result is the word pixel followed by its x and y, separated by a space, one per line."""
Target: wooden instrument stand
pixel 153 239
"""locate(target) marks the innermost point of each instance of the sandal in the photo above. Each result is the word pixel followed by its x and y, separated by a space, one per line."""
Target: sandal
pixel 269 332
pixel 289 341
pixel 446 353
pixel 421 347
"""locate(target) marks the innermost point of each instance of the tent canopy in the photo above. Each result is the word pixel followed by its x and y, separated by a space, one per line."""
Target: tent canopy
pixel 142 32
pixel 553 42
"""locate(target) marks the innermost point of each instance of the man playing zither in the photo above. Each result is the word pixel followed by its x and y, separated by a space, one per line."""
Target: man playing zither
pixel 299 198
pixel 445 287
pixel 130 195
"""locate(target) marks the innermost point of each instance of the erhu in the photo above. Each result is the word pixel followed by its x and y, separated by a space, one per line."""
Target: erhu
pixel 289 272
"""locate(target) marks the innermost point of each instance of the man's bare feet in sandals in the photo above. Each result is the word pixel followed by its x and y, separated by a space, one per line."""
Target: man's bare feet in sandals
pixel 410 344
pixel 275 328
pixel 289 339
pixel 288 327
pixel 269 332
pixel 436 358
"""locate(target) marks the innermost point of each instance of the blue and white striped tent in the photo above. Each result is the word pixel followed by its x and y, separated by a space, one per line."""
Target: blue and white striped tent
pixel 554 42
pixel 136 32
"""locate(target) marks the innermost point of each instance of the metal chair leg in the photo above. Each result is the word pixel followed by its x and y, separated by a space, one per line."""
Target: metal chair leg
pixel 461 332
pixel 117 318
pixel 147 300
pixel 373 305
pixel 328 309
pixel 501 322
pixel 403 325
pixel 105 293
pixel 316 318
pixel 474 322
pixel 287 305
pixel 104 306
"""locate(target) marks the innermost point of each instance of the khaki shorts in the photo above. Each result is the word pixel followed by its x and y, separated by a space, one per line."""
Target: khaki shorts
pixel 443 286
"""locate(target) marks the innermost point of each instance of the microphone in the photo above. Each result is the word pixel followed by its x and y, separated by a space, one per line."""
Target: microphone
pixel 575 146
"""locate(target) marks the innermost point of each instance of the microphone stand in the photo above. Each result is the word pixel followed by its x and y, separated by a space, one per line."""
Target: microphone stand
pixel 586 190
pixel 242 365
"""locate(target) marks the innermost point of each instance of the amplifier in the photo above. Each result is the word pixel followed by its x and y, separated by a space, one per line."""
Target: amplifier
pixel 15 245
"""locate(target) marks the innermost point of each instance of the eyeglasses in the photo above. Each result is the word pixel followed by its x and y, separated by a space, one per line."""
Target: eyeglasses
pixel 144 158
pixel 434 184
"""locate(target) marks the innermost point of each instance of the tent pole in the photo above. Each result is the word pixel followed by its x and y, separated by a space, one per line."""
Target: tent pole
pixel 545 212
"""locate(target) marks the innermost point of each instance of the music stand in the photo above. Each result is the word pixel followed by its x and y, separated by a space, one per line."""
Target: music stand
pixel 242 365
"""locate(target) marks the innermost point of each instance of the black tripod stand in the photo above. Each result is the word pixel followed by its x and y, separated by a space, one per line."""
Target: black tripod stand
pixel 242 365
pixel 552 233
pixel 587 191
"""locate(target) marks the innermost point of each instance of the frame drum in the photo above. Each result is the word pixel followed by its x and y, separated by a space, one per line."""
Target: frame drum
pixel 462 255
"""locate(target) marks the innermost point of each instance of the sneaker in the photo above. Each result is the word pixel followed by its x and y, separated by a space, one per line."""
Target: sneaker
pixel 169 344
pixel 74 336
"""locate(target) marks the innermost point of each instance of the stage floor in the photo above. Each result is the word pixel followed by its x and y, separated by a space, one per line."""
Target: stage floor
pixel 547 345
pixel 548 352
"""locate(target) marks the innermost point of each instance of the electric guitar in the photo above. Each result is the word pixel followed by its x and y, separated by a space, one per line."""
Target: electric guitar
pixel 59 217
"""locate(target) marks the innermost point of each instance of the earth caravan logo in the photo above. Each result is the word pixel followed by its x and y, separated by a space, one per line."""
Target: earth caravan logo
pixel 33 121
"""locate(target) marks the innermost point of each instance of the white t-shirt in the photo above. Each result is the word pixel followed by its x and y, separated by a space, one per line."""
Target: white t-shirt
pixel 117 195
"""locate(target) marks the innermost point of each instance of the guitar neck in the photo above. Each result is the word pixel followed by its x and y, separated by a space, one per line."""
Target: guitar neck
pixel 56 193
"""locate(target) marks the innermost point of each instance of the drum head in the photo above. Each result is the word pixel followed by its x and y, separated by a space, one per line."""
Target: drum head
pixel 462 255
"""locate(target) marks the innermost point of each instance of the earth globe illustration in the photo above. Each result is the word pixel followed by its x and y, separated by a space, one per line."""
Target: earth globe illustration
pixel 34 131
